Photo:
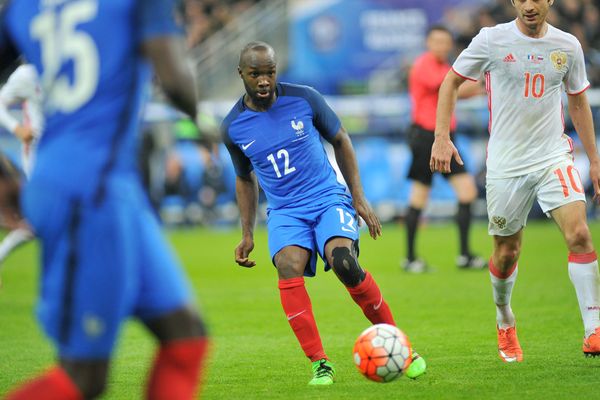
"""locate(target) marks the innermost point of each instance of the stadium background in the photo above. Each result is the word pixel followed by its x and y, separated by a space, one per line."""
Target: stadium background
pixel 357 53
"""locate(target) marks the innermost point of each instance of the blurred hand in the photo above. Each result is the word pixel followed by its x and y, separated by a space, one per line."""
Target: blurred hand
pixel 24 133
pixel 364 210
pixel 242 251
pixel 442 152
pixel 208 127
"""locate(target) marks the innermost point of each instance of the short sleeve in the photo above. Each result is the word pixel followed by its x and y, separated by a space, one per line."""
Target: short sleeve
pixel 576 79
pixel 324 118
pixel 241 163
pixel 157 18
pixel 474 59
pixel 20 85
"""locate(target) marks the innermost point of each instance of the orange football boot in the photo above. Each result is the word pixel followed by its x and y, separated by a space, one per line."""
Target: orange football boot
pixel 509 348
pixel 591 344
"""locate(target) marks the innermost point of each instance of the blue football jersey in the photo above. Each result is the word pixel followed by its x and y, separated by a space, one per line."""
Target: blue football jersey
pixel 283 146
pixel 87 53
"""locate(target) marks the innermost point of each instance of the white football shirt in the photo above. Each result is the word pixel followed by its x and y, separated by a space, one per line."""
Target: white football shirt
pixel 524 81
pixel 22 87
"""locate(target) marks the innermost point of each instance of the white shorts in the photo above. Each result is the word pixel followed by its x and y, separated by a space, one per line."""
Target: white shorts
pixel 509 200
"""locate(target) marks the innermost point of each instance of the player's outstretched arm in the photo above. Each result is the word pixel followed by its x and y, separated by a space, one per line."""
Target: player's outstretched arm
pixel 443 149
pixel 246 190
pixel 581 115
pixel 346 160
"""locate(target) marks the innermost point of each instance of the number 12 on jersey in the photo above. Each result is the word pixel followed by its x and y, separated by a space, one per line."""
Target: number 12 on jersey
pixel 283 153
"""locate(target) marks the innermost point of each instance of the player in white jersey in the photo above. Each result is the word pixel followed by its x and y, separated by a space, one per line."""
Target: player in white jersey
pixel 527 63
pixel 22 87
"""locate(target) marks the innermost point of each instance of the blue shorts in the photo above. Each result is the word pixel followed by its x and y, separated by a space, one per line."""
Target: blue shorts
pixel 311 227
pixel 100 265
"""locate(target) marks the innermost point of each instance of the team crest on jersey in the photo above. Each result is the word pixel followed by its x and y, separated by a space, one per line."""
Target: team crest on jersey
pixel 298 127
pixel 559 60
pixel 500 222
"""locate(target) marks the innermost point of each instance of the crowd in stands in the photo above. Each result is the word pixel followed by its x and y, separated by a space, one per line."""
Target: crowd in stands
pixel 202 18
pixel 579 17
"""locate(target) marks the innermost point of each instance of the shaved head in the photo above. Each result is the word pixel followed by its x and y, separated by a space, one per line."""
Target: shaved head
pixel 258 70
pixel 250 51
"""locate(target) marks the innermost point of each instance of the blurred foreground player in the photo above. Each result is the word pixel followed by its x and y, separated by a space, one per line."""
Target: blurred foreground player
pixel 273 133
pixel 527 64
pixel 104 257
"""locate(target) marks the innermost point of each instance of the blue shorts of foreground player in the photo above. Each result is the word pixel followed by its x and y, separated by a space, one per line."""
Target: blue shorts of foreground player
pixel 311 227
pixel 101 264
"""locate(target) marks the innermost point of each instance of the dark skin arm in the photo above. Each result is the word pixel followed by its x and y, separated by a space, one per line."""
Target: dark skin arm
pixel 178 82
pixel 246 191
pixel 166 54
pixel 346 160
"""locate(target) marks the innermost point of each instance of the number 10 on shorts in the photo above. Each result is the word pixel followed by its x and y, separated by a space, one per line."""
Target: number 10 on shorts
pixel 574 180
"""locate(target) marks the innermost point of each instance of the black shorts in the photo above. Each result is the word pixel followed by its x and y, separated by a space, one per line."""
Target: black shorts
pixel 420 141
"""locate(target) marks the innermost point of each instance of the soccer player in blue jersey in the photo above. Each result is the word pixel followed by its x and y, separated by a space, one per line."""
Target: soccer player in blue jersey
pixel 273 134
pixel 104 258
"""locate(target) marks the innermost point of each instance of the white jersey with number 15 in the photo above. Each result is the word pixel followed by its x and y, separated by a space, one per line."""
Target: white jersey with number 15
pixel 524 80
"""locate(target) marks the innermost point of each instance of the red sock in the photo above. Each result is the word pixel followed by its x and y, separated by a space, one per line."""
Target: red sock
pixel 298 310
pixel 176 370
pixel 53 385
pixel 368 296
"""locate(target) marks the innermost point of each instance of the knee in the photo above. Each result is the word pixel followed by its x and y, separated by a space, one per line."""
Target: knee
pixel 465 189
pixel 507 255
pixel 467 195
pixel 345 265
pixel 290 266
pixel 89 376
pixel 191 324
pixel 579 239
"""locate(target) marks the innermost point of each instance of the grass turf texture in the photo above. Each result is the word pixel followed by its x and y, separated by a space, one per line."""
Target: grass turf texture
pixel 448 315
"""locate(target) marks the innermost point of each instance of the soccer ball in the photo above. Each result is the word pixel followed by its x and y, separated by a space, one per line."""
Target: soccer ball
pixel 382 353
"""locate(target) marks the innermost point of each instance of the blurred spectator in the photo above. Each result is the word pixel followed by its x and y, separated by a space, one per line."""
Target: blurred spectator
pixel 193 173
pixel 202 18
pixel 183 175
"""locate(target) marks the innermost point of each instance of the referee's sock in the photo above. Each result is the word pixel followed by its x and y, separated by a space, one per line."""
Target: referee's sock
pixel 463 220
pixel 412 223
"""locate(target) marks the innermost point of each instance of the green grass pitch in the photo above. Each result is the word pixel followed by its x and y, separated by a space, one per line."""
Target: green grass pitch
pixel 448 315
